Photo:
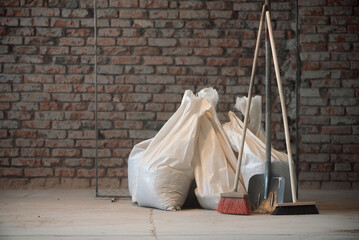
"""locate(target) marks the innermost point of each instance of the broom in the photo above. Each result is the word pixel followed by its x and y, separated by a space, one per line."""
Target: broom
pixel 294 208
pixel 236 202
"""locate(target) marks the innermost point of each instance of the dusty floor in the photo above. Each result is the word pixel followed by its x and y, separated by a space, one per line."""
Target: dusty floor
pixel 77 214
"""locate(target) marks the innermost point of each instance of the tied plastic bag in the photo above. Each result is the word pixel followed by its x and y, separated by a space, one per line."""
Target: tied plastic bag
pixel 254 154
pixel 255 114
pixel 165 169
pixel 192 144
pixel 215 164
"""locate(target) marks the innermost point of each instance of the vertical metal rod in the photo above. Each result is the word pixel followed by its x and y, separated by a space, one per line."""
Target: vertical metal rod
pixel 95 78
pixel 268 124
pixel 297 98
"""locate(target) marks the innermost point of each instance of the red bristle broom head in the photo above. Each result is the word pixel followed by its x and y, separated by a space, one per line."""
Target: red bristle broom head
pixel 234 203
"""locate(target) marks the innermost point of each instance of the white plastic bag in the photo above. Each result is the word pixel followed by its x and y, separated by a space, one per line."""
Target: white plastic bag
pixel 191 144
pixel 165 170
pixel 133 166
pixel 254 154
pixel 215 165
pixel 255 114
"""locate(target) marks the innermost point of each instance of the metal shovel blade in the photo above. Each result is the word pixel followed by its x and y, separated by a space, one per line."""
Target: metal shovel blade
pixel 256 193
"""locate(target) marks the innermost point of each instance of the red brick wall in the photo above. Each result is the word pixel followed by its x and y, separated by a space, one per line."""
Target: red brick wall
pixel 329 146
pixel 149 52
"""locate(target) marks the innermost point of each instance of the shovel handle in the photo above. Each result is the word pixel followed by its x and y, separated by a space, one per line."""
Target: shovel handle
pixel 268 132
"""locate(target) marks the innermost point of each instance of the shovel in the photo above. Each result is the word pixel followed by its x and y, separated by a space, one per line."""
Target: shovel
pixel 265 190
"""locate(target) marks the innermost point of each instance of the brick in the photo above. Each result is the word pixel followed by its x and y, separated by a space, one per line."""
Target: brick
pixel 74 183
pixel 314 158
pixel 194 14
pixel 4 106
pixel 332 111
pixel 203 71
pixel 9 124
pixel 189 61
pixel 335 185
pixel 221 61
pixel 78 162
pixel 194 42
pixel 18 68
pixel 26 162
pixel 162 42
pixel 36 124
pixel 64 143
pixel 154 4
pixel 338 130
pixel 52 134
pixel 310 138
pixel 131 42
pixel 314 176
pixel 4 162
pixel 47 12
pixel 316 20
pixel 351 149
pixel 221 14
pixel 224 42
pixel 23 134
pixel 157 60
pixel 38 172
pixel 342 167
pixel 126 60
pixel 169 24
pixel 123 3
pixel 206 33
pixel 9 152
pixel 9 97
pixel 22 142
pixel 315 56
pixel 163 14
pixel 65 172
pixel 247 6
pixel 177 51
pixel 64 152
pixel 11 172
pixel 18 116
pixel 321 167
pixel 138 13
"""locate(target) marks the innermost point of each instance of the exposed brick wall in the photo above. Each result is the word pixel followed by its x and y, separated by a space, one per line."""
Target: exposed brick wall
pixel 149 52
pixel 329 41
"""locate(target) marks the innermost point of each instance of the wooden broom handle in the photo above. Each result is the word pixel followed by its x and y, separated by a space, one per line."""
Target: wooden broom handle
pixel 246 116
pixel 284 111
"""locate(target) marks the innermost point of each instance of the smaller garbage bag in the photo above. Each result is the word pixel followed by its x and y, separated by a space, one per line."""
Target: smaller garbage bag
pixel 215 164
pixel 255 114
pixel 254 154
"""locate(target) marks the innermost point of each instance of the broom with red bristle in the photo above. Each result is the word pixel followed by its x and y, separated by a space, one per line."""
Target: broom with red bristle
pixel 236 202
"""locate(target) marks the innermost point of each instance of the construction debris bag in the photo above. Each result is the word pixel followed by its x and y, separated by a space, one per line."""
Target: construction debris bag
pixel 255 114
pixel 192 144
pixel 165 169
pixel 254 154
pixel 215 164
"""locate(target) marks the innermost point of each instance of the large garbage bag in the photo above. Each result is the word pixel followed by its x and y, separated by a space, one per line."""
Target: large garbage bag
pixel 192 144
pixel 165 169
pixel 254 154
